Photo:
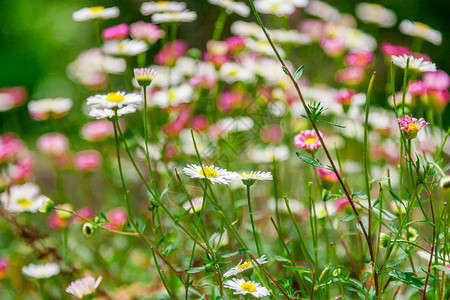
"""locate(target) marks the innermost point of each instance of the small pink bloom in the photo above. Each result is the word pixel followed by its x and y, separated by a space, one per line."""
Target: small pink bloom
pixel 350 75
pixel 15 95
pixel 333 47
pixel 307 139
pixel 409 127
pixel 86 212
pixel 4 265
pixel 97 131
pixel 206 82
pixel 235 43
pixel 327 177
pixel 54 144
pixel 55 222
pixel 170 150
pixel 438 80
pixel 146 31
pixel 230 100
pixel 341 203
pixel 344 96
pixel 217 59
pixel 87 161
pixel 117 216
pixel 10 147
pixel 199 123
pixel 271 133
pixel 22 170
pixel 174 128
pixel 314 28
pixel 359 59
pixel 389 50
pixel 417 88
pixel 118 32
pixel 441 96
pixel 171 51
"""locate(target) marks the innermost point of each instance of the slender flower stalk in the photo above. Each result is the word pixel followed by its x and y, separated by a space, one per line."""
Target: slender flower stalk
pixel 250 212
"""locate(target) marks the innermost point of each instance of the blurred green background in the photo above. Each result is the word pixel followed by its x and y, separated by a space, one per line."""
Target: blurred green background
pixel 39 38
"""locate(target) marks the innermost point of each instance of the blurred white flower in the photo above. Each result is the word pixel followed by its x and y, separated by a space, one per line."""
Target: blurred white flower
pixel 125 47
pixel 173 96
pixel 232 72
pixel 375 13
pixel 148 8
pixel 231 6
pixel 84 287
pixel 275 7
pixel 96 12
pixel 49 107
pixel 185 16
pixel 21 198
pixel 41 271
pixel 323 10
pixel 421 30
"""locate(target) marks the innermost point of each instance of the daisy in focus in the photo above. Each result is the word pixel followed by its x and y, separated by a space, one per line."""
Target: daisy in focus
pixel 41 271
pixel 212 173
pixel 251 177
pixel 243 266
pixel 84 288
pixel 410 126
pixel 96 12
pixel 106 106
pixel 242 287
pixel 414 63
pixel 144 76
pixel 20 198
pixel 307 139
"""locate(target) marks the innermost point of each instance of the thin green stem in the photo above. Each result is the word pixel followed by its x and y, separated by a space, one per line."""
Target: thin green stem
pixel 220 23
pixel 250 211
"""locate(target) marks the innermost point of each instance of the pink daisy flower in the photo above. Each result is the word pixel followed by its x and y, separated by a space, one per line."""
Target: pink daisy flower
pixel 307 139
pixel 410 126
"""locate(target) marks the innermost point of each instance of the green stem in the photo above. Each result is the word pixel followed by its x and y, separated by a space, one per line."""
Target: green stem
pixel 220 23
pixel 250 211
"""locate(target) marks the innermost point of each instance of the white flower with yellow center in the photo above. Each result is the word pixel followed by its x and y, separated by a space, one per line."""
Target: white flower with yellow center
pixel 231 72
pixel 105 106
pixel 323 10
pixel 275 7
pixel 414 63
pixel 41 271
pixel 269 154
pixel 185 16
pixel 212 173
pixel 20 198
pixel 242 287
pixel 232 7
pixel 250 177
pixel 148 8
pixel 421 30
pixel 125 47
pixel 246 29
pixel 173 96
pixel 96 12
pixel 375 13
pixel 242 266
pixel 84 288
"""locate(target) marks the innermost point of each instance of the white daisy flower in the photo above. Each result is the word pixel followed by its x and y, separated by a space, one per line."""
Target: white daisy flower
pixel 114 99
pixel 232 7
pixel 41 271
pixel 275 7
pixel 235 124
pixel 323 10
pixel 269 153
pixel 20 198
pixel 242 266
pixel 43 109
pixel 214 174
pixel 96 12
pixel 297 3
pixel 243 287
pixel 355 39
pixel 125 47
pixel 246 29
pixel 414 63
pixel 251 177
pixel 148 8
pixel 168 17
pixel 113 65
pixel 84 287
pixel 197 202
pixel 281 36
pixel 232 72
pixel 375 13
pixel 320 209
pixel 263 47
pixel 421 30
pixel 173 96
pixel 102 112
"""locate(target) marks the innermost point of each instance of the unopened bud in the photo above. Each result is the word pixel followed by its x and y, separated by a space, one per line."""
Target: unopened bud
pixel 88 229
pixel 47 205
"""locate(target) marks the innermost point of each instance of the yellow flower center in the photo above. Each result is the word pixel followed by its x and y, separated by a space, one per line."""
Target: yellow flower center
pixel 171 94
pixel 310 140
pixel 121 46
pixel 413 127
pixel 24 202
pixel 96 9
pixel 162 2
pixel 115 97
pixel 208 172
pixel 244 265
pixel 422 28
pixel 249 287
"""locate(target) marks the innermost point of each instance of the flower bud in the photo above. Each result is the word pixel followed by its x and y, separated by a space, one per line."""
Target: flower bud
pixel 444 183
pixel 385 240
pixel 47 205
pixel 88 229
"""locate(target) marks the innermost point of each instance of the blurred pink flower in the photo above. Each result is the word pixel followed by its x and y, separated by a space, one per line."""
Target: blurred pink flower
pixel 55 222
pixel 271 133
pixel 235 43
pixel 344 96
pixel 417 88
pixel 146 31
pixel 174 128
pixel 327 177
pixel 438 80
pixel 97 131
pixel 199 123
pixel 118 217
pixel 10 147
pixel 228 101
pixel 87 161
pixel 118 32
pixel 206 82
pixel 350 75
pixel 359 58
pixel 4 265
pixel 54 144
pixel 217 59
pixel 314 28
pixel 341 203
pixel 389 50
pixel 171 51
pixel 333 47
pixel 307 139
pixel 22 170
pixel 12 97
pixel 85 212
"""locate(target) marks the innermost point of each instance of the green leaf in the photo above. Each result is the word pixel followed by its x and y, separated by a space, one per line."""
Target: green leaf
pixel 442 268
pixel 348 218
pixel 302 269
pixel 397 198
pixel 298 73
pixel 212 238
pixel 309 160
pixel 384 214
pixel 282 259
pixel 361 195
pixel 195 270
